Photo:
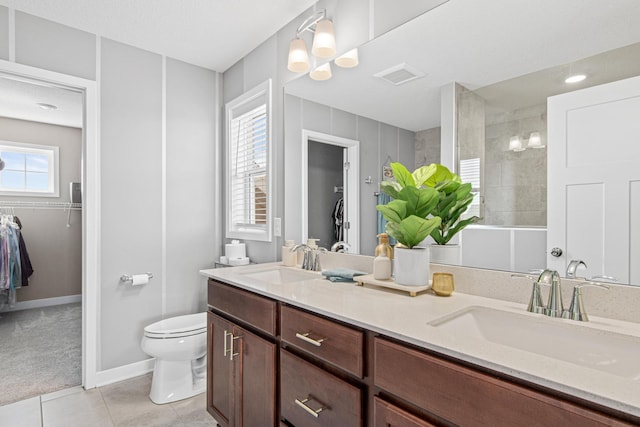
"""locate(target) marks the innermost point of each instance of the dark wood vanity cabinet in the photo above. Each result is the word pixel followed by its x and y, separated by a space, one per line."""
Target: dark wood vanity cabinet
pixel 271 364
pixel 468 397
pixel 241 388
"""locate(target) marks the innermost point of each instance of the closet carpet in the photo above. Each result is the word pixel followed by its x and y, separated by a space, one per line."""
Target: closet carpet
pixel 40 351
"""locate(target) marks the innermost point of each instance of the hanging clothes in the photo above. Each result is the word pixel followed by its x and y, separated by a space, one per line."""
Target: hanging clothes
pixel 25 261
pixel 338 220
pixel 11 274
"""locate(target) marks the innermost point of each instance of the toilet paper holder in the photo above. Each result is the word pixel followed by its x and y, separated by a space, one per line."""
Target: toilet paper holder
pixel 129 277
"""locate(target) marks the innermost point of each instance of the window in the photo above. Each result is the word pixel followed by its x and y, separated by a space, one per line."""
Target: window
pixel 470 172
pixel 29 170
pixel 248 120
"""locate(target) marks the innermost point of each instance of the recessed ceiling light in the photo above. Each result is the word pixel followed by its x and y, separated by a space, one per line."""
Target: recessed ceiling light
pixel 46 106
pixel 575 78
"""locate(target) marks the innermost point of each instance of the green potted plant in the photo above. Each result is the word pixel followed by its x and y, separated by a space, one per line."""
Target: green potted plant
pixel 408 223
pixel 454 198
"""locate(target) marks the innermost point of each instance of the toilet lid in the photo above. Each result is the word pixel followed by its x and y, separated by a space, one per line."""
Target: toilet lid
pixel 190 323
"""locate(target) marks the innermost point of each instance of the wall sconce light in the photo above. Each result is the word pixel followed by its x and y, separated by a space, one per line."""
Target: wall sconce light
pixel 515 144
pixel 322 72
pixel 348 60
pixel 324 42
pixel 535 141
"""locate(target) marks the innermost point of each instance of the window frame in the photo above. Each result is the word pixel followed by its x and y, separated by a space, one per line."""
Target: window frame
pixel 52 151
pixel 257 232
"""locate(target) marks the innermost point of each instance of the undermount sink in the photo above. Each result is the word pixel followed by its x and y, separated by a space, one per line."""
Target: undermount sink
pixel 279 275
pixel 605 351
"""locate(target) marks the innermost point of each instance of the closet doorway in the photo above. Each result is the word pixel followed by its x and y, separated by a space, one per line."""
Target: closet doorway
pixel 48 320
pixel 330 189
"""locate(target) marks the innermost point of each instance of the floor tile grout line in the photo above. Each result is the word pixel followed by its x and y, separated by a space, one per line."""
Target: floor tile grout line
pixel 113 423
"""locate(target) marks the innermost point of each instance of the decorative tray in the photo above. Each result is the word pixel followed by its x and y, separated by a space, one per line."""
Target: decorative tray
pixel 368 279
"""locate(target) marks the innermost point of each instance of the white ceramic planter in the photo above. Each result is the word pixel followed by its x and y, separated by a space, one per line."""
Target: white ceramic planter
pixel 411 266
pixel 446 254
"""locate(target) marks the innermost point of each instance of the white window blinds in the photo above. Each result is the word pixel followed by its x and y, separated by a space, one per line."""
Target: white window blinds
pixel 248 166
pixel 470 172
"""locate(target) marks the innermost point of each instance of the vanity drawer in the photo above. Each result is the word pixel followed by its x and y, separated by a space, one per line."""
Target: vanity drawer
pixel 332 342
pixel 248 307
pixel 305 389
pixel 467 397
pixel 387 415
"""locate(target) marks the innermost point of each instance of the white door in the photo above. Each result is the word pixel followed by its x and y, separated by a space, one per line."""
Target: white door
pixel 594 180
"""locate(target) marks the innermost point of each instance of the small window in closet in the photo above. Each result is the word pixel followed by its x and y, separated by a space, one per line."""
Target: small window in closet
pixel 28 170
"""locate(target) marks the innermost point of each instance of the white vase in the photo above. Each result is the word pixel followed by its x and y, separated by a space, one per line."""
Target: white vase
pixel 446 254
pixel 411 266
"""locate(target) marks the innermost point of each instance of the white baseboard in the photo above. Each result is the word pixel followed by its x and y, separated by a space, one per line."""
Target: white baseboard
pixel 125 372
pixel 44 302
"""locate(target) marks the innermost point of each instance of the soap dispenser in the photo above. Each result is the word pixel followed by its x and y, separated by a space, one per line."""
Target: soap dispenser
pixel 382 267
pixel 382 261
pixel 312 243
pixel 288 257
pixel 384 246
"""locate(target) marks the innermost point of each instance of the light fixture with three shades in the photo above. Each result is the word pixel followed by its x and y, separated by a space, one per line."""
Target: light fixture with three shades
pixel 323 47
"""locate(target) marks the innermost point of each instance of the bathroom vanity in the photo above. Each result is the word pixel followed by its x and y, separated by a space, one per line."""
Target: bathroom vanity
pixel 286 347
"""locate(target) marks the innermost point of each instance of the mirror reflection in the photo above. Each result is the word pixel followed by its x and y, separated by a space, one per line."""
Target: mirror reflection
pixel 476 101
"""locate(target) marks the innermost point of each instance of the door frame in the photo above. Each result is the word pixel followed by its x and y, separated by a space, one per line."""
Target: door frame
pixel 90 203
pixel 351 184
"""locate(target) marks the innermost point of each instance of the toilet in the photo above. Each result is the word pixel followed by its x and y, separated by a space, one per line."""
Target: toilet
pixel 179 345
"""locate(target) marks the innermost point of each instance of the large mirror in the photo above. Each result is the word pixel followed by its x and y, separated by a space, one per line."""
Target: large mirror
pixel 474 82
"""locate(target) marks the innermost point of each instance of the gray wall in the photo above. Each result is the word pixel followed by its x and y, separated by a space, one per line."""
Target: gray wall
pixel 325 172
pixel 380 144
pixel 50 243
pixel 157 170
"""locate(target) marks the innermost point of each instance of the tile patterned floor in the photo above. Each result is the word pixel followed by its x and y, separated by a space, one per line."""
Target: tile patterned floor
pixel 121 404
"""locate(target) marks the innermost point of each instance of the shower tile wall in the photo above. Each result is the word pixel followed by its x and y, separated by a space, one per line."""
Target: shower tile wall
pixel 515 182
pixel 427 147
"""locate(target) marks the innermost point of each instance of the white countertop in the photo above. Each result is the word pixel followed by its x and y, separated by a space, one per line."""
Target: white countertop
pixel 397 315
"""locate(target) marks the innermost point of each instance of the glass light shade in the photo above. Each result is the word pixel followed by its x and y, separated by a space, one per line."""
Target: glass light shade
pixel 324 42
pixel 298 56
pixel 515 144
pixel 535 141
pixel 348 60
pixel 323 72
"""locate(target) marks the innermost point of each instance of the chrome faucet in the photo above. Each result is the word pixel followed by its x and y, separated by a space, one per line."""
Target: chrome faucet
pixel 311 260
pixel 307 250
pixel 573 266
pixel 554 304
pixel 576 310
pixel 340 247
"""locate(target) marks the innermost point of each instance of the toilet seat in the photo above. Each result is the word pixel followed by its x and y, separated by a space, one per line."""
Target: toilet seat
pixel 177 327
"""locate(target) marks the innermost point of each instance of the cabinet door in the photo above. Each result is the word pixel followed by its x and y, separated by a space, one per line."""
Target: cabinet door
pixel 387 415
pixel 219 370
pixel 312 397
pixel 255 370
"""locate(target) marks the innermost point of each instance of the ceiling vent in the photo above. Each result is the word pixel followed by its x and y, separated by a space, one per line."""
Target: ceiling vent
pixel 400 74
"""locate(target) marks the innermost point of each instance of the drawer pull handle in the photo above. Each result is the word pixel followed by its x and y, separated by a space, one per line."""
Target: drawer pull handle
pixel 231 353
pixel 226 347
pixel 305 337
pixel 303 404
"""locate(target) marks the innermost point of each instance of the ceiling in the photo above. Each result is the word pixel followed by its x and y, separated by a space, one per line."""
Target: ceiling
pixel 213 34
pixel 480 44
